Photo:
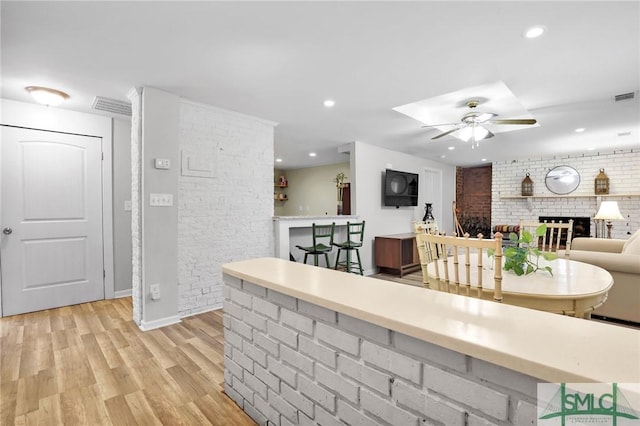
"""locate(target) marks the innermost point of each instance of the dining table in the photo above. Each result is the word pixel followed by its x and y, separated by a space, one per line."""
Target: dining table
pixel 572 288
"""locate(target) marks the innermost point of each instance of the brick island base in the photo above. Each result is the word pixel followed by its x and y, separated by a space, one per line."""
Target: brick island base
pixel 307 345
pixel 290 362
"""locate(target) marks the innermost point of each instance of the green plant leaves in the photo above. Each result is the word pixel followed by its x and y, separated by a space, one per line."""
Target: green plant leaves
pixel 524 257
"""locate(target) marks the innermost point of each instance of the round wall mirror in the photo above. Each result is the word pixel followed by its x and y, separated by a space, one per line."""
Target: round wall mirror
pixel 562 180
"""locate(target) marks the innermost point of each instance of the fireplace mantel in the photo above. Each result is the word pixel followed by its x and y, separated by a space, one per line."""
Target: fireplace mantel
pixel 530 198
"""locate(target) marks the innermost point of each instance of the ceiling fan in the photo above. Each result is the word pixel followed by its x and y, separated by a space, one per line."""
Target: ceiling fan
pixel 472 127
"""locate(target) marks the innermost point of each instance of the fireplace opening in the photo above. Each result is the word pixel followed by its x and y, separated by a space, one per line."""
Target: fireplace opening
pixel 581 225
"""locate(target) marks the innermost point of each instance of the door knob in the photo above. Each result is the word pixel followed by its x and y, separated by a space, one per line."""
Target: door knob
pixel 7 231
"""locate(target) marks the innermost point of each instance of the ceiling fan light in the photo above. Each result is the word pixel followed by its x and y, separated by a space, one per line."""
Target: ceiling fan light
pixel 466 133
pixel 479 133
pixel 47 96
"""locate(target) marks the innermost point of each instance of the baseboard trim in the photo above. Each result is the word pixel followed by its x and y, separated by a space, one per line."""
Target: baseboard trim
pixel 210 308
pixel 162 322
pixel 122 293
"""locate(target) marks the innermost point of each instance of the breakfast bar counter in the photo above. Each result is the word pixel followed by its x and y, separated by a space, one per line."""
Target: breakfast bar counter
pixel 333 338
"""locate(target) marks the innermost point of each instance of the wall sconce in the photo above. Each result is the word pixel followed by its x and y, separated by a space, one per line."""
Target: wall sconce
pixel 602 183
pixel 47 96
pixel 608 211
pixel 527 186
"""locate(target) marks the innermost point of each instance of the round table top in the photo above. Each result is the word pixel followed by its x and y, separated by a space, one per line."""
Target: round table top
pixel 570 278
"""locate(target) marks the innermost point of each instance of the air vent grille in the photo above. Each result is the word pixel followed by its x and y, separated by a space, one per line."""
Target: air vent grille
pixel 111 105
pixel 624 97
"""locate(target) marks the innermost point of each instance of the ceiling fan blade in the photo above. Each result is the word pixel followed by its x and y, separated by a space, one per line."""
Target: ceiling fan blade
pixel 438 125
pixel 489 135
pixel 515 121
pixel 441 135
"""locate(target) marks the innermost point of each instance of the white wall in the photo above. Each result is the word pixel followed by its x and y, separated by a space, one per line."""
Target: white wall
pixel 622 168
pixel 369 163
pixel 312 190
pixel 121 217
pixel 227 217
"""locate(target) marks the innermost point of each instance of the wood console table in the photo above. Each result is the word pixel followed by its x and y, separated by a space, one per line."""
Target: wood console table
pixel 397 253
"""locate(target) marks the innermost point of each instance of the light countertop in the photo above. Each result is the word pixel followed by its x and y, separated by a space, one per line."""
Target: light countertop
pixel 550 347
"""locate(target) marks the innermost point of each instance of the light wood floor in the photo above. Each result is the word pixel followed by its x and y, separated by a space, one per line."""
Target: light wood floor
pixel 89 364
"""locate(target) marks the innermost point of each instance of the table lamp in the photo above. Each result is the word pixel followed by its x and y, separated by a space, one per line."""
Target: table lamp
pixel 609 211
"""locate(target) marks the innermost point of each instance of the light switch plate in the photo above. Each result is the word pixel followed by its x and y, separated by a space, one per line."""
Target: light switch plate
pixel 163 163
pixel 160 200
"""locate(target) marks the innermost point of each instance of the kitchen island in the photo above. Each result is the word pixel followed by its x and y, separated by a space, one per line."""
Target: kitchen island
pixel 313 345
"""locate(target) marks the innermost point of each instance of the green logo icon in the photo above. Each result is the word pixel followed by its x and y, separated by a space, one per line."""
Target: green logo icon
pixel 602 406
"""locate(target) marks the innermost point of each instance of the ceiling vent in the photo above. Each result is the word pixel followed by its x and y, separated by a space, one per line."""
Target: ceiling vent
pixel 111 105
pixel 624 97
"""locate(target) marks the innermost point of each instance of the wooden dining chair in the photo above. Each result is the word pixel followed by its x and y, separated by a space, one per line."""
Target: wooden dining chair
pixel 424 252
pixel 557 232
pixel 460 268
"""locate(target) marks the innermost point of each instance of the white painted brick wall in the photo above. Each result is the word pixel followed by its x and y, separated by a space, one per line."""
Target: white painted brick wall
pixel 316 366
pixel 622 168
pixel 136 213
pixel 227 218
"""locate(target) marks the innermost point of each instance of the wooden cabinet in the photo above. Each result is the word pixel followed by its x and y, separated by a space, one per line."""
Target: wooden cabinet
pixel 397 253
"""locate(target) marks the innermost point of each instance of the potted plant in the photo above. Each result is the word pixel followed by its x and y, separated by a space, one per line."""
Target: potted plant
pixel 524 257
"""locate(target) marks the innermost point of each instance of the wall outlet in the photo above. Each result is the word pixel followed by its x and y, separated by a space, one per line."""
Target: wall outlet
pixel 155 291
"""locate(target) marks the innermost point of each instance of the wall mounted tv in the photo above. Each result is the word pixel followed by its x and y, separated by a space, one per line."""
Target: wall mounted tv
pixel 400 188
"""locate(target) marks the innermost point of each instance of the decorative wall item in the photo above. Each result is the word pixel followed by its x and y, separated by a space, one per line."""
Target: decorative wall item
pixel 562 180
pixel 527 186
pixel 602 183
pixel 340 178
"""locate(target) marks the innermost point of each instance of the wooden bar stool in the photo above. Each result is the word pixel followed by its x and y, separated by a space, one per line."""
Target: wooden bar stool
pixel 355 233
pixel 322 243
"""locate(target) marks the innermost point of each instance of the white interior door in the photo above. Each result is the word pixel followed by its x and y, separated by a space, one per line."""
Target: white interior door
pixel 51 214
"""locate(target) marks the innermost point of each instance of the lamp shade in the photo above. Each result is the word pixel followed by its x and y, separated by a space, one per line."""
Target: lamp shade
pixel 609 211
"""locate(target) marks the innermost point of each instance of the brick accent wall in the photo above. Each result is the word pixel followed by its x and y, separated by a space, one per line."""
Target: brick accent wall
pixel 473 198
pixel 136 208
pixel 228 217
pixel 289 362
pixel 622 168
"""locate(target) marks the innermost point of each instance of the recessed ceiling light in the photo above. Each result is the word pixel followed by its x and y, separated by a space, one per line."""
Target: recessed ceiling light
pixel 278 160
pixel 451 148
pixel 534 32
pixel 329 103
pixel 484 159
pixel 580 130
pixel 47 96
pixel 443 156
pixel 312 154
pixel 590 149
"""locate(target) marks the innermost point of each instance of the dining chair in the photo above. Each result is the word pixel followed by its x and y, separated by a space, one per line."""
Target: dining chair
pixel 355 234
pixel 557 233
pixel 322 243
pixel 460 268
pixel 424 253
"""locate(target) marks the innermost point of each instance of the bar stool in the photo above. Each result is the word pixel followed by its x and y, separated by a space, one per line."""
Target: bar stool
pixel 355 233
pixel 320 233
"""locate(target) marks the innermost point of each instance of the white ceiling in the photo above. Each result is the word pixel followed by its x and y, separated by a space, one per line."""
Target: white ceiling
pixel 280 61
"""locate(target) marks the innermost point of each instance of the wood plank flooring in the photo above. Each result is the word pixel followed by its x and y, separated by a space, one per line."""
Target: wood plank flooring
pixel 90 364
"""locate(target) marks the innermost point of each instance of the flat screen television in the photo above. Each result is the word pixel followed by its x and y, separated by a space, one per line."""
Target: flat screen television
pixel 400 188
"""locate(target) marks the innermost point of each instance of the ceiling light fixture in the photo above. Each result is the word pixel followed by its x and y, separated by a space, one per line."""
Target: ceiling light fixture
pixel 451 148
pixel 580 129
pixel 278 160
pixel 534 32
pixel 312 154
pixel 475 133
pixel 47 96
pixel 329 103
